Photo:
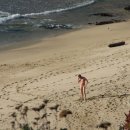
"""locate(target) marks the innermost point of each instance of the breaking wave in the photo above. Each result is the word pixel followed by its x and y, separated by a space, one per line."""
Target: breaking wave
pixel 5 16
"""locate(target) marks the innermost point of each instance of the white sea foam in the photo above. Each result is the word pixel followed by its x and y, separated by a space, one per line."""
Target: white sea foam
pixel 8 16
pixel 4 19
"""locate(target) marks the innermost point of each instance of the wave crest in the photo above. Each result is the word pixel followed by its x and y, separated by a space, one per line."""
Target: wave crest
pixel 14 16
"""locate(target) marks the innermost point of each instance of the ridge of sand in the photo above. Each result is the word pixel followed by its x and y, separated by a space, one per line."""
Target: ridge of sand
pixel 49 70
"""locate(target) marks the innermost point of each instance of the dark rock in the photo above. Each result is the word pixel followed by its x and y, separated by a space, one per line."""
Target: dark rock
pixel 57 26
pixel 127 8
pixel 46 101
pixel 37 118
pixel 18 106
pixel 90 23
pixel 117 44
pixel 63 129
pixel 103 14
pixel 104 22
pixel 48 122
pixel 25 110
pixel 41 106
pixel 44 115
pixel 13 115
pixel 34 123
pixel 104 125
pixel 37 109
pixel 55 107
pixel 64 113
pixel 109 22
pixel 49 26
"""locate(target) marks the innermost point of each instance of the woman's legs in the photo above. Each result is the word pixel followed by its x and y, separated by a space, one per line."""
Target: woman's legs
pixel 81 91
pixel 84 92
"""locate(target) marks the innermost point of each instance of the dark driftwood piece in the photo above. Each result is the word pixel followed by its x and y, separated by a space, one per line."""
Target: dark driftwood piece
pixel 117 44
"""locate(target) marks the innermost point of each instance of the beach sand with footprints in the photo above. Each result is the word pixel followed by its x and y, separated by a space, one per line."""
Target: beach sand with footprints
pixel 49 69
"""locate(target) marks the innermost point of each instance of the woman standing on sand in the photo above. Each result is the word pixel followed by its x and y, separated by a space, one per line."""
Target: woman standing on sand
pixel 82 82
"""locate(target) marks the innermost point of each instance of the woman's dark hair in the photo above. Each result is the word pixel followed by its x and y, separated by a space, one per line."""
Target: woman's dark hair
pixel 79 76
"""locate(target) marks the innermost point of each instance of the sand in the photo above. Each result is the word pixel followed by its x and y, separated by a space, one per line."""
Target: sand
pixel 48 70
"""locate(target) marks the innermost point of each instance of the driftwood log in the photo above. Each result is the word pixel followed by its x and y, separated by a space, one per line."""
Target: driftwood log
pixel 117 44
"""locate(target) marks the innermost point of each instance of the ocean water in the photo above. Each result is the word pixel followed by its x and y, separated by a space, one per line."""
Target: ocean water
pixel 23 20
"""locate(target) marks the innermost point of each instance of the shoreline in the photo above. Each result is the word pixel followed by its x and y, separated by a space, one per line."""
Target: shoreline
pixel 48 69
pixel 93 14
pixel 28 42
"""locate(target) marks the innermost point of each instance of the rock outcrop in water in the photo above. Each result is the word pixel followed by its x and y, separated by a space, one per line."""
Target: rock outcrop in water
pixel 109 22
pixel 127 8
pixel 57 26
pixel 103 14
pixel 106 22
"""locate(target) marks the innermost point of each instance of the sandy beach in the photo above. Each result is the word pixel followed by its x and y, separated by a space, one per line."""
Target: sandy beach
pixel 49 69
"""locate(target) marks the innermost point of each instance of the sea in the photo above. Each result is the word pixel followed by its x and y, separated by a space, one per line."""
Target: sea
pixel 27 21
